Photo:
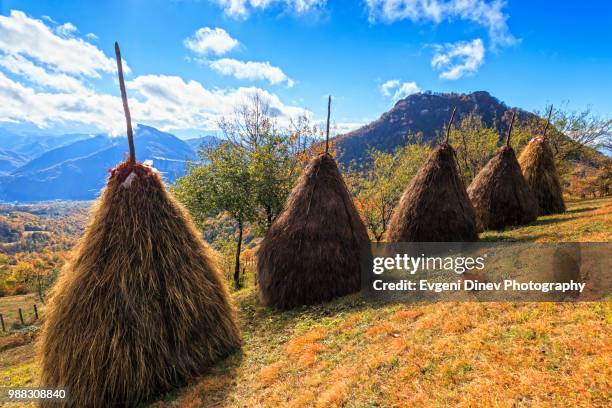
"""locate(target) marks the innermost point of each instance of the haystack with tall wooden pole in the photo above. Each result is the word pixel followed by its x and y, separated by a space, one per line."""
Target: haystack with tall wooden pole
pixel 538 167
pixel 435 206
pixel 311 253
pixel 499 193
pixel 141 307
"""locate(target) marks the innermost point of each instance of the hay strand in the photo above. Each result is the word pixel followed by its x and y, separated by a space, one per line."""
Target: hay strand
pixel 126 108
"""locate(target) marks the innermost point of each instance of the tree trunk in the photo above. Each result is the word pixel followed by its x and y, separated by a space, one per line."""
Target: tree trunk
pixel 238 249
pixel 269 215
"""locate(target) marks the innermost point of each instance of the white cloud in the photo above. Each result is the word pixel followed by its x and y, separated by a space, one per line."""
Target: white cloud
pixel 208 40
pixel 389 86
pixel 166 102
pixel 31 38
pixel 488 14
pixel 66 29
pixel 91 36
pixel 397 90
pixel 251 70
pixel 242 8
pixel 171 103
pixel 23 67
pixel 19 103
pixel 458 59
pixel 46 80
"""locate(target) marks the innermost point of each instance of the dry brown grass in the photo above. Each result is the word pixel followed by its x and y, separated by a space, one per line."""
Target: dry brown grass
pixel 141 307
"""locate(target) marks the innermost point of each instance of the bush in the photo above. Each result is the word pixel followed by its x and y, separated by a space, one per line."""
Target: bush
pixel 21 289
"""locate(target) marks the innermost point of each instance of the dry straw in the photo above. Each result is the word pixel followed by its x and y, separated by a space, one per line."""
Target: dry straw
pixel 538 167
pixel 435 206
pixel 499 193
pixel 311 253
pixel 140 307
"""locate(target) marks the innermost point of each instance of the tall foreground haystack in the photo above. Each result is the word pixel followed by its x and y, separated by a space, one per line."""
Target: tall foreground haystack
pixel 538 167
pixel 311 253
pixel 499 193
pixel 140 307
pixel 435 206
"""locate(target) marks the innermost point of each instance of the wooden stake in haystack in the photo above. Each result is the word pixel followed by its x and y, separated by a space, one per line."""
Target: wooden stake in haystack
pixel 537 163
pixel 126 108
pixel 510 128
pixel 312 251
pixel 450 123
pixel 499 193
pixel 434 206
pixel 327 127
pixel 141 307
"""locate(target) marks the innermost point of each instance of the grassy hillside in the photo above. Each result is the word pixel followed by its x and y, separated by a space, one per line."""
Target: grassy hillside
pixel 355 353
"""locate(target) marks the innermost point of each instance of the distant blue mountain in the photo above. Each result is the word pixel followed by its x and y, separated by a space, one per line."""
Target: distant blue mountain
pixel 78 171
pixel 80 148
pixel 10 160
pixel 32 145
pixel 198 143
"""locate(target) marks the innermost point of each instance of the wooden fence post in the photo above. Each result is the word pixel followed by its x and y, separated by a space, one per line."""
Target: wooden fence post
pixel 21 316
pixel 2 322
pixel 35 311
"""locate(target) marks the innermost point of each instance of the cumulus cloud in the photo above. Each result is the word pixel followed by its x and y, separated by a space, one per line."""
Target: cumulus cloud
pixel 488 14
pixel 396 90
pixel 46 80
pixel 208 40
pixel 458 59
pixel 32 39
pixel 389 86
pixel 251 70
pixel 66 29
pixel 23 67
pixel 242 8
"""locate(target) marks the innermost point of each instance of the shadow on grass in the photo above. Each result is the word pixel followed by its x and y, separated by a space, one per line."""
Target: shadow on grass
pixel 257 319
pixel 579 210
pixel 554 220
pixel 212 388
pixel 503 238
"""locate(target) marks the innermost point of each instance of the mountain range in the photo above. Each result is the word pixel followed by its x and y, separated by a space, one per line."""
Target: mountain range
pixel 74 167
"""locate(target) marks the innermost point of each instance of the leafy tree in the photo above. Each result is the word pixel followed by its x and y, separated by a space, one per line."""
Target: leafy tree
pixel 251 174
pixel 474 143
pixel 222 183
pixel 379 187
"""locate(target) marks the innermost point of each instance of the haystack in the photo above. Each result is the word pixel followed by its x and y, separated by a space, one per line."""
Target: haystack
pixel 435 206
pixel 311 253
pixel 499 193
pixel 141 306
pixel 538 167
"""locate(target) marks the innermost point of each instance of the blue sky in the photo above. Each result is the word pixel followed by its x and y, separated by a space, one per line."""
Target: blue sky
pixel 191 61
